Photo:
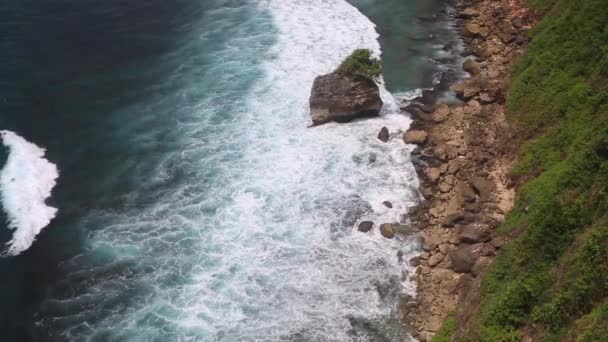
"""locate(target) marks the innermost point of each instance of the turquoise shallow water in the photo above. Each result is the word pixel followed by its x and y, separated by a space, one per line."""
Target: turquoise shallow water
pixel 194 204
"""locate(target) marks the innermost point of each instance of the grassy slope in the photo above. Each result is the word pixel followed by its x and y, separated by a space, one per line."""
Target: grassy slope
pixel 552 281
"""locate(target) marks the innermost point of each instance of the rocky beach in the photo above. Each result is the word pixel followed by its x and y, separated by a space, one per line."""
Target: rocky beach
pixel 463 157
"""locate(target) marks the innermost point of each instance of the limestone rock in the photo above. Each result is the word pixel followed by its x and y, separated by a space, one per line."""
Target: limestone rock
pixel 342 98
pixel 386 229
pixel 415 137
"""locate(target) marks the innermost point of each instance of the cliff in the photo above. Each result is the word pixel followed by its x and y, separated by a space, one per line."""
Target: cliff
pixel 549 282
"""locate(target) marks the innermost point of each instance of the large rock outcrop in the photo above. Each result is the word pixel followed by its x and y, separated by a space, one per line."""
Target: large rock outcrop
pixel 342 98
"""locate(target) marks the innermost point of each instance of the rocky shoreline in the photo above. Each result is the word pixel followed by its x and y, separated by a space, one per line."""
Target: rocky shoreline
pixel 463 157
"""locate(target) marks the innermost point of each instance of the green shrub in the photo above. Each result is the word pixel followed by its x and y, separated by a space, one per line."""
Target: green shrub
pixel 361 63
pixel 447 329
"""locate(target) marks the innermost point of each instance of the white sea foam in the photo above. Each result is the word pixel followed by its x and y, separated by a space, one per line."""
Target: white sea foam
pixel 300 270
pixel 26 182
pixel 258 243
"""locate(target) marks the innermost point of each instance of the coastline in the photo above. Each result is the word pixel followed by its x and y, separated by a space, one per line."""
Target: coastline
pixel 463 157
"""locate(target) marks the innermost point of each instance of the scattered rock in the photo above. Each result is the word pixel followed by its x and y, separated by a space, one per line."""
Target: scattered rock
pixel 383 135
pixel 366 226
pixel 342 98
pixel 415 137
pixel 386 229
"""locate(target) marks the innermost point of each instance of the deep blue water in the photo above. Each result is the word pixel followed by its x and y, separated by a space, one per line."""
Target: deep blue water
pixel 194 204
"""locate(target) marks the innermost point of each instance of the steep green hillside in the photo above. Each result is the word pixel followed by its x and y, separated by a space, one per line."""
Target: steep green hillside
pixel 551 282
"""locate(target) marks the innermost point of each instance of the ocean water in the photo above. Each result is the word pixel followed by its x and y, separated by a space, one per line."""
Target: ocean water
pixel 193 202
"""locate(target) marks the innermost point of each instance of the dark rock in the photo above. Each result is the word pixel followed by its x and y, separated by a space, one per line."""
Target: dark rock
pixel 506 37
pixel 387 204
pixel 463 259
pixel 366 226
pixel 415 261
pixel 342 98
pixel 452 219
pixel 474 233
pixel 383 135
pixel 386 229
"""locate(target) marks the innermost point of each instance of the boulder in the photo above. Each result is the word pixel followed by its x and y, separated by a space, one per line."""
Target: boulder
pixel 415 137
pixel 388 204
pixel 474 233
pixel 471 67
pixel 383 135
pixel 342 98
pixel 386 229
pixel 366 226
pixel 463 259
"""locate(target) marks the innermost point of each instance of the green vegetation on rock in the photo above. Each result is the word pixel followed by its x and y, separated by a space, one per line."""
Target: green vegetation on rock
pixel 361 63
pixel 551 282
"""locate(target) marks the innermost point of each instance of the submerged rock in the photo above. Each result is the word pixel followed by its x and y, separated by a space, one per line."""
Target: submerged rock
pixel 342 98
pixel 366 226
pixel 383 135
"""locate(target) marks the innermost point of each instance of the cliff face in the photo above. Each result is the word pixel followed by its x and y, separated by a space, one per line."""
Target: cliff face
pixel 550 281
